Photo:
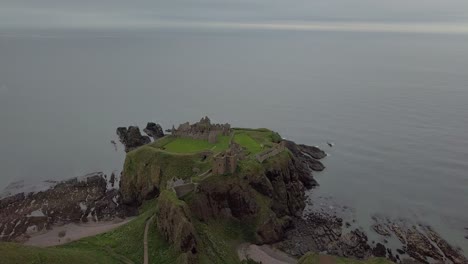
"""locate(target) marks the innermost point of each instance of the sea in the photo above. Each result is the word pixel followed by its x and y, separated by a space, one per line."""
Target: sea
pixel 394 105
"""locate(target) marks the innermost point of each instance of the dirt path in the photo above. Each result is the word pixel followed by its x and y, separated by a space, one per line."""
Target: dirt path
pixel 59 235
pixel 145 241
pixel 324 259
pixel 264 254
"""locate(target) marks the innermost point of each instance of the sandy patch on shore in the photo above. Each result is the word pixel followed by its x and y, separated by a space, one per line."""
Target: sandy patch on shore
pixel 59 235
pixel 264 254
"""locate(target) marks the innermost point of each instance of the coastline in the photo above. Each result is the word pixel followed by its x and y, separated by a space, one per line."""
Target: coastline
pixel 264 254
pixel 59 235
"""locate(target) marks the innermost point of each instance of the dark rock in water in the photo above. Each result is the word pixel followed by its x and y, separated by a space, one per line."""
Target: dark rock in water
pixel 400 251
pixel 316 165
pixel 379 250
pixel 114 144
pixel 381 230
pixel 112 180
pixel 304 163
pixel 314 152
pixel 154 130
pixel 131 138
pixel 76 200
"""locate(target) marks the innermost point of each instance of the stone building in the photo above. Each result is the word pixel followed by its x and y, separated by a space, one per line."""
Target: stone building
pixel 226 162
pixel 203 130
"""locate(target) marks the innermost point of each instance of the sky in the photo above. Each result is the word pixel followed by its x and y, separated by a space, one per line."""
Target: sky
pixel 358 15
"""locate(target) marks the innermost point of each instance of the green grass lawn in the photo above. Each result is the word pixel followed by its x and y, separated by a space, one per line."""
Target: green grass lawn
pixel 12 253
pixel 243 139
pixel 188 145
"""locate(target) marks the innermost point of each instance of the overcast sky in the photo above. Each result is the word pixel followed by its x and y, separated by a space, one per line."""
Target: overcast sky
pixel 232 13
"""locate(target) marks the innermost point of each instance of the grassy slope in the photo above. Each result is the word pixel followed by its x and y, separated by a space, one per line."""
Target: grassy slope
pixel 11 253
pixel 243 139
pixel 126 242
pixel 252 139
pixel 188 145
pixel 147 162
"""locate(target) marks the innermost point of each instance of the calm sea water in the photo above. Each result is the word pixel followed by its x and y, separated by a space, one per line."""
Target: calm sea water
pixel 395 105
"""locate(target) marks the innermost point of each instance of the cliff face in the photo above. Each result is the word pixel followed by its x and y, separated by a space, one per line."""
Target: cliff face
pixel 266 197
pixel 147 170
pixel 173 219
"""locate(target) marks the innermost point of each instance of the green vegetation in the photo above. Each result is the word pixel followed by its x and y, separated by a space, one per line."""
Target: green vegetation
pixel 149 163
pixel 159 250
pixel 125 242
pixel 220 238
pixel 254 140
pixel 262 136
pixel 12 253
pixel 315 258
pixel 243 139
pixel 189 145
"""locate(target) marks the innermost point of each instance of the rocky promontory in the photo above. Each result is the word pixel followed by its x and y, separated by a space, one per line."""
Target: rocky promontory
pixel 246 175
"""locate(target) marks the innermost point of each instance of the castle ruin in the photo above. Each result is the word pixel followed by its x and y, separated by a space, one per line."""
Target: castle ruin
pixel 202 130
pixel 226 162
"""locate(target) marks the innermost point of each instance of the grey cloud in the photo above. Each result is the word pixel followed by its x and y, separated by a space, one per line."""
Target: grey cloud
pixel 119 13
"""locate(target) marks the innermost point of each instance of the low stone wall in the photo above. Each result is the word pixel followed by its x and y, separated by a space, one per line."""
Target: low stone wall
pixel 270 153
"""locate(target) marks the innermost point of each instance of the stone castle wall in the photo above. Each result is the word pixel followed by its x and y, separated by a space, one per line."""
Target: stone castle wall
pixel 270 152
pixel 223 164
pixel 203 130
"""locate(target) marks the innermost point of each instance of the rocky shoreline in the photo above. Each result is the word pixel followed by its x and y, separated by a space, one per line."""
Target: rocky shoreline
pixel 77 200
pixel 329 234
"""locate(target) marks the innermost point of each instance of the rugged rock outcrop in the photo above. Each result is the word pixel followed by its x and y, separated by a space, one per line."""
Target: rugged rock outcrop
pixel 224 199
pixel 275 190
pixel 312 151
pixel 76 200
pixel 419 241
pixel 147 172
pixel 154 130
pixel 131 137
pixel 307 155
pixel 319 233
pixel 174 222
pixel 323 232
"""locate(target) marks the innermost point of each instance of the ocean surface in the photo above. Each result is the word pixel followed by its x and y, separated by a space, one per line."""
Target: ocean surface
pixel 394 104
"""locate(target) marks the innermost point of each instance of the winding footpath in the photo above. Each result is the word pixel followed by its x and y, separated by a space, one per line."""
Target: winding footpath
pixel 145 241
